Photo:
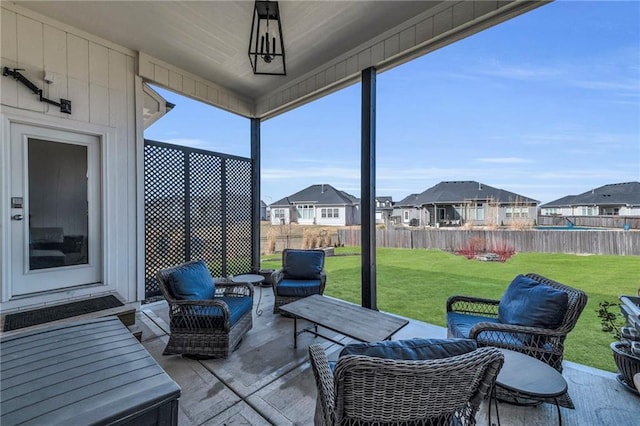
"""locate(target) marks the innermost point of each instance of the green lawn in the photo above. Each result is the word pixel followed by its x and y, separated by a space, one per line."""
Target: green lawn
pixel 417 283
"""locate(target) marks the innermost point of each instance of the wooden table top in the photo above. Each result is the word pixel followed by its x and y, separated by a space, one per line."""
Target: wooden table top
pixel 351 320
pixel 81 372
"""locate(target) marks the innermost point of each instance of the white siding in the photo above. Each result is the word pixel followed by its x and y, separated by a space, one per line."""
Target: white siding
pixel 98 78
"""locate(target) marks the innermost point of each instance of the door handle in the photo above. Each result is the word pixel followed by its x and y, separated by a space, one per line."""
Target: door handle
pixel 17 217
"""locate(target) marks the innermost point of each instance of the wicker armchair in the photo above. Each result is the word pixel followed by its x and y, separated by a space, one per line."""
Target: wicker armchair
pixel 367 390
pixel 544 344
pixel 302 274
pixel 207 328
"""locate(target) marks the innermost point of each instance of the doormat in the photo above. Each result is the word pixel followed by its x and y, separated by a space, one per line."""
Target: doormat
pixel 53 313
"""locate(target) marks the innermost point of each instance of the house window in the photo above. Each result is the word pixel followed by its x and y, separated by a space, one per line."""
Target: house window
pixel 323 213
pixel 478 214
pixel 305 211
pixel 278 213
pixel 406 216
pixel 336 213
pixel 517 212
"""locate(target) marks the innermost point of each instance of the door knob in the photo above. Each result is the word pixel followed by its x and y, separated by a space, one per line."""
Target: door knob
pixel 17 217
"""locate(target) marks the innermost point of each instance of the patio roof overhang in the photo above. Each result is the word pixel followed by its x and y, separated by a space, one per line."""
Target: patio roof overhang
pixel 200 48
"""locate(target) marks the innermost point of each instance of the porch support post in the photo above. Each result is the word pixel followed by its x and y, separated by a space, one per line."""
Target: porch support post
pixel 368 189
pixel 255 194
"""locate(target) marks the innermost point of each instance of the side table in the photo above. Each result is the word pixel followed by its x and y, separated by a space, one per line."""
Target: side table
pixel 254 279
pixel 529 378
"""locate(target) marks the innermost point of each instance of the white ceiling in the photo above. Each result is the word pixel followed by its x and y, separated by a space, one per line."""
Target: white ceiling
pixel 210 39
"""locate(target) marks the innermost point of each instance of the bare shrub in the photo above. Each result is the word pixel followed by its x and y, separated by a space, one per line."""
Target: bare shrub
pixel 503 249
pixel 271 241
pixel 471 248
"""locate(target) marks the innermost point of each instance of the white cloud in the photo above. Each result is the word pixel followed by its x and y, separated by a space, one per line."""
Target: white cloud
pixel 519 72
pixel 505 160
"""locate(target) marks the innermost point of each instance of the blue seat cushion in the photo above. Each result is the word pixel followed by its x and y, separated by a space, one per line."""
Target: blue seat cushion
pixel 460 325
pixel 302 264
pixel 192 281
pixel 206 315
pixel 411 349
pixel 298 288
pixel 529 303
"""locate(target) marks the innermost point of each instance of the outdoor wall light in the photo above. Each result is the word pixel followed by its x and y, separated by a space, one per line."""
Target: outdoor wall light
pixel 266 47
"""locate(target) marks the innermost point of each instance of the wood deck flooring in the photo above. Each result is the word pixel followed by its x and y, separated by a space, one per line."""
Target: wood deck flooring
pixel 268 382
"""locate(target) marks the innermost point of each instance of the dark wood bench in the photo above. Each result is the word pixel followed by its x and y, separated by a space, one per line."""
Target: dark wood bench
pixel 84 372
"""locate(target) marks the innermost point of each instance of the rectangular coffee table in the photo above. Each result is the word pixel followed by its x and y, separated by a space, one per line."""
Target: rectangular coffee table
pixel 350 320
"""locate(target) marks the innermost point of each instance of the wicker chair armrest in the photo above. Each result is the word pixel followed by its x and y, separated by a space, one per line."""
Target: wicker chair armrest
pixel 277 276
pixel 189 308
pixel 324 383
pixel 511 328
pixel 205 303
pixel 473 305
pixel 323 281
pixel 234 289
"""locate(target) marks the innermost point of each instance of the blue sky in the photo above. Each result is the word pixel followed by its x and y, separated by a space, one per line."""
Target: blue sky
pixel 544 105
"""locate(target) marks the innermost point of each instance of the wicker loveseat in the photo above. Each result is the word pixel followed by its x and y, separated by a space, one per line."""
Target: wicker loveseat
pixel 371 390
pixel 542 336
pixel 302 274
pixel 207 319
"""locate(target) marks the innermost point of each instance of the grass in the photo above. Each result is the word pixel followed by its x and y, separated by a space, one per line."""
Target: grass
pixel 417 283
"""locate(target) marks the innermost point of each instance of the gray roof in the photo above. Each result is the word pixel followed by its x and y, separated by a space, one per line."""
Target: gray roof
pixel 627 193
pixel 464 191
pixel 409 200
pixel 322 194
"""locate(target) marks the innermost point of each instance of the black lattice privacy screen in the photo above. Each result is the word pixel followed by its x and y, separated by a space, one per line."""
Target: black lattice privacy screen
pixel 197 206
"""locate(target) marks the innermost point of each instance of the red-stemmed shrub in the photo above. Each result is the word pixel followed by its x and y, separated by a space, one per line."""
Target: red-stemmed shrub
pixel 503 250
pixel 470 249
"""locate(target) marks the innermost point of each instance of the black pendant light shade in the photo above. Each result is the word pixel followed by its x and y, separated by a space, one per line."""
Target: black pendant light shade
pixel 266 47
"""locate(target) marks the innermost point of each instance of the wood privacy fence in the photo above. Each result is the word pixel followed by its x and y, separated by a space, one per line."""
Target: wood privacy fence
pixel 624 243
pixel 611 222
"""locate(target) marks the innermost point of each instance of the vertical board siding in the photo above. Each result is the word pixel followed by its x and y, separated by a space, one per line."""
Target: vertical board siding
pixel 9 52
pixel 29 56
pixel 622 243
pixel 99 80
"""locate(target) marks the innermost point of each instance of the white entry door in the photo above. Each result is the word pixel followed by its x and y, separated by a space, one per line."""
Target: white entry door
pixel 56 240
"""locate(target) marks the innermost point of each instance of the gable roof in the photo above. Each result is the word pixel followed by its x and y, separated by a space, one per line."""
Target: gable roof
pixel 322 194
pixel 627 193
pixel 452 192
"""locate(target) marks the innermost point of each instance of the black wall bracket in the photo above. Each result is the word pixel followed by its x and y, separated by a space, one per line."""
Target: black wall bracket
pixel 64 104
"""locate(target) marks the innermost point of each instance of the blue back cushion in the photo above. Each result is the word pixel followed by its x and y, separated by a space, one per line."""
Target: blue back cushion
pixel 413 349
pixel 532 304
pixel 192 281
pixel 302 264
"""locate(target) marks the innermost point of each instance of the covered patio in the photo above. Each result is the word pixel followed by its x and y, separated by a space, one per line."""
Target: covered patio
pixel 99 54
pixel 268 382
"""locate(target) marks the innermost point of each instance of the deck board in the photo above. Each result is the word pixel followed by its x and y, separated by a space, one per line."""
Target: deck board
pixel 267 382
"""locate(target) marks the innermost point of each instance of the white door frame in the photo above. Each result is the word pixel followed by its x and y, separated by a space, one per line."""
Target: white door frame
pixel 107 137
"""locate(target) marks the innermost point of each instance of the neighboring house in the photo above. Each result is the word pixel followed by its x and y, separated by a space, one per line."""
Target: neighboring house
pixel 459 202
pixel 317 205
pixel 384 209
pixel 616 199
pixel 263 210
